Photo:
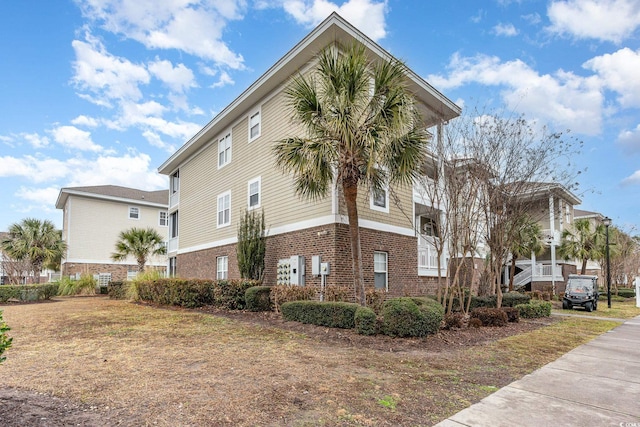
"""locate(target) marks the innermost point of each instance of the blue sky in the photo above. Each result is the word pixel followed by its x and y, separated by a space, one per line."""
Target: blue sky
pixel 103 91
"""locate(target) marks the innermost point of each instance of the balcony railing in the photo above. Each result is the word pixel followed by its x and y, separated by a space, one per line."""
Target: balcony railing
pixel 174 199
pixel 172 245
pixel 427 257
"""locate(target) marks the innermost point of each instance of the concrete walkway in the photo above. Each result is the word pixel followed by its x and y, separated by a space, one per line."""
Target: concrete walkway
pixel 596 384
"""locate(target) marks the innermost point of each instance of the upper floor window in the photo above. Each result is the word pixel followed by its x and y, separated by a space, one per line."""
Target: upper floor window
pixel 254 125
pixel 224 150
pixel 254 193
pixel 380 200
pixel 173 225
pixel 428 227
pixel 175 182
pixel 224 209
pixel 134 212
pixel 163 220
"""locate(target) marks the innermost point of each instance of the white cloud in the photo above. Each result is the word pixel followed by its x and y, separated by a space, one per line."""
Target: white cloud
pixel 33 168
pixel 507 30
pixel 633 179
pixel 224 80
pixel 86 121
pixel 106 76
pixel 45 197
pixel 366 15
pixel 178 78
pixel 563 98
pixel 630 139
pixel 608 20
pixel 619 72
pixel 532 18
pixel 72 137
pixel 192 26
pixel 155 140
pixel 35 140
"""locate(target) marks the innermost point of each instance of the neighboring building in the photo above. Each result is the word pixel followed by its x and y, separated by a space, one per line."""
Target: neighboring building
pixel 552 205
pixel 93 217
pixel 229 167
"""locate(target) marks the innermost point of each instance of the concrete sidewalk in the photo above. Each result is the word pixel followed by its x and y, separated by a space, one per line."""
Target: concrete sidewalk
pixel 596 384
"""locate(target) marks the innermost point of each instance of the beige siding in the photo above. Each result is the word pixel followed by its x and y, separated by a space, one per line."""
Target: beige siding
pixel 201 182
pixel 95 225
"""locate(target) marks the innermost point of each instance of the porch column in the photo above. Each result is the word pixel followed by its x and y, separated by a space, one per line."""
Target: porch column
pixel 533 266
pixel 552 223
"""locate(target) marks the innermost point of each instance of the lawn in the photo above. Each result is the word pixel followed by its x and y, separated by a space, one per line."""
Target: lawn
pixel 130 364
pixel 621 308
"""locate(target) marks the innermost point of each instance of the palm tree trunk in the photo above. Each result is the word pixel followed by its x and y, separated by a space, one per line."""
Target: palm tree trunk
pixel 583 270
pixel 141 264
pixel 350 198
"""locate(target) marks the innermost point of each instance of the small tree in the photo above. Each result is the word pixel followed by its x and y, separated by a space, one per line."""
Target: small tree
pixel 36 242
pixel 583 242
pixel 140 243
pixel 5 341
pixel 252 245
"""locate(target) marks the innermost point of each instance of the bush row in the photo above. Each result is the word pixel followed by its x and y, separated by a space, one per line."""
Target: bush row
pixel 626 292
pixel 509 299
pixel 534 309
pixel 28 292
pixel 229 294
pixel 332 314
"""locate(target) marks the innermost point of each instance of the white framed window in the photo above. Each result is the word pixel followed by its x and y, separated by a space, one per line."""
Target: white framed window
pixel 254 193
pixel 255 125
pixel 224 150
pixel 173 225
pixel 224 209
pixel 163 218
pixel 134 212
pixel 222 272
pixel 379 200
pixel 380 269
pixel 174 182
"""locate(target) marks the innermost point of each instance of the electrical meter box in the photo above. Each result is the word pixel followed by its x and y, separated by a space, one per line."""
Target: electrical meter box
pixel 283 276
pixel 297 270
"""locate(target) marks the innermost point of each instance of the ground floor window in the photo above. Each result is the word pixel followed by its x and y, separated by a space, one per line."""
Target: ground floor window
pixel 380 270
pixel 222 272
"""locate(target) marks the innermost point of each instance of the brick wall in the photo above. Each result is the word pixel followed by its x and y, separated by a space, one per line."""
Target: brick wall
pixel 332 243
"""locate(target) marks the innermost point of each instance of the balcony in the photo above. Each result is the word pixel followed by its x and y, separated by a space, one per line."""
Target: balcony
pixel 427 257
pixel 172 245
pixel 174 199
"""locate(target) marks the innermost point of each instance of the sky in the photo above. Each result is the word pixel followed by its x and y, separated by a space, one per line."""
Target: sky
pixel 96 92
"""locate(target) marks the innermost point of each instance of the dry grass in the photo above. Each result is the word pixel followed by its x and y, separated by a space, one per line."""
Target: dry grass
pixel 166 367
pixel 621 308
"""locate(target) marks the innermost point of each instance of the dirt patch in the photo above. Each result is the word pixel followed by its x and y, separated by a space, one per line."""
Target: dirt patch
pixel 99 362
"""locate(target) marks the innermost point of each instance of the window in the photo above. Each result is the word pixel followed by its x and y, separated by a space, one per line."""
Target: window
pixel 380 270
pixel 173 265
pixel 254 193
pixel 175 182
pixel 224 150
pixel 164 219
pixel 254 125
pixel 173 225
pixel 428 227
pixel 380 200
pixel 224 209
pixel 222 273
pixel 567 210
pixel 134 213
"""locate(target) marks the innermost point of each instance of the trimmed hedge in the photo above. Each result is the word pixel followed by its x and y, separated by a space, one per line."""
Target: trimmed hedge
pixel 28 292
pixel 192 293
pixel 257 298
pixel 534 309
pixel 490 316
pixel 366 321
pixel 331 314
pixel 626 292
pixel 411 317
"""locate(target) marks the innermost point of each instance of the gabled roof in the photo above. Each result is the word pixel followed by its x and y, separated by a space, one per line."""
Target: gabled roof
pixel 158 198
pixel 579 213
pixel 334 29
pixel 542 189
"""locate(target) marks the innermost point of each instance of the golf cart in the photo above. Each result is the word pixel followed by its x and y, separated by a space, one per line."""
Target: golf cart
pixel 581 291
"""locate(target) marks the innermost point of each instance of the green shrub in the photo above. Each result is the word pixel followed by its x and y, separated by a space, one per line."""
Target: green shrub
pixel 490 316
pixel 229 294
pixel 411 317
pixel 366 321
pixel 35 292
pixel 511 299
pixel 257 298
pixel 284 293
pixel 489 301
pixel 331 314
pixel 5 341
pixel 513 314
pixel 626 292
pixel 534 309
pixel 86 285
pixel 117 289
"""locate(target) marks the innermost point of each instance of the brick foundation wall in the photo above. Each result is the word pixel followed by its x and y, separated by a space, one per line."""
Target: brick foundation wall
pixel 332 243
pixel 118 271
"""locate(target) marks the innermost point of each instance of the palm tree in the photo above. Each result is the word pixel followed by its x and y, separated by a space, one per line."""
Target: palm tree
pixel 141 243
pixel 583 242
pixel 527 240
pixel 363 131
pixel 36 242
